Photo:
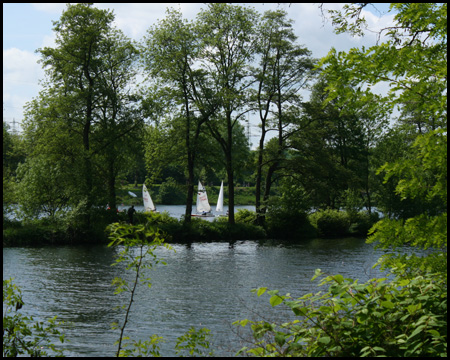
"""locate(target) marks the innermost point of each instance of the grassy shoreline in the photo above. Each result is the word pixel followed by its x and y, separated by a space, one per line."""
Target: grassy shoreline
pixel 17 234
pixel 291 227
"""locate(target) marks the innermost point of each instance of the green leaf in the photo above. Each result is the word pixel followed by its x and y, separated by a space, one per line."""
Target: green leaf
pixel 417 331
pixel 325 309
pixel 434 333
pixel 377 348
pixel 300 311
pixel 325 340
pixel 387 304
pixel 276 300
pixel 261 291
pixel 317 273
pixel 280 339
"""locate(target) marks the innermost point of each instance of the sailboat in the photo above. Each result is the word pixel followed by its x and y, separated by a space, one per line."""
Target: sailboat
pixel 219 206
pixel 148 203
pixel 203 207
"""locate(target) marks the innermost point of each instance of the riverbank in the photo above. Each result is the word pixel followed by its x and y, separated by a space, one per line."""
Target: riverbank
pixel 42 232
pixel 292 227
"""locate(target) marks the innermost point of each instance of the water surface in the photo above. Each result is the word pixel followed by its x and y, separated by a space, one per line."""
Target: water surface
pixel 204 285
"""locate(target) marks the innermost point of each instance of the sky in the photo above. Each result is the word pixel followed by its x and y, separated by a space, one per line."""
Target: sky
pixel 28 26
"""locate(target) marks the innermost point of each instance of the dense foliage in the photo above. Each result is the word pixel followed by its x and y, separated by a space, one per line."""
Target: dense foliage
pixel 22 335
pixel 406 316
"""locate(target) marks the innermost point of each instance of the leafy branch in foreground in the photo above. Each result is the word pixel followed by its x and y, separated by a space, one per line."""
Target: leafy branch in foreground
pixel 404 317
pixel 192 340
pixel 423 175
pixel 145 239
pixel 21 334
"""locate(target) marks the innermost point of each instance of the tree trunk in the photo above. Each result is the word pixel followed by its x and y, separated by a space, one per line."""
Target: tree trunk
pixel 230 174
pixel 190 189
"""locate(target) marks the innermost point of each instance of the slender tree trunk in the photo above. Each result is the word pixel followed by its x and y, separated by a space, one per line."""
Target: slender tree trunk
pixel 190 188
pixel 268 186
pixel 230 170
pixel 259 212
pixel 230 174
pixel 190 156
pixel 86 133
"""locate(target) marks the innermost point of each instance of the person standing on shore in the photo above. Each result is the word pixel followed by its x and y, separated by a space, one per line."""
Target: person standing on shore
pixel 131 211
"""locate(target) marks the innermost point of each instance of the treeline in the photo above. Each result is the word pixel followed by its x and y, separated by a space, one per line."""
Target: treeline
pixel 91 126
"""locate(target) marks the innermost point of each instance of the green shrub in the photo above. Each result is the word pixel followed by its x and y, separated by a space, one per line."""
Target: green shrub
pixel 285 224
pixel 361 222
pixel 402 318
pixel 245 216
pixel 154 218
pixel 330 223
pixel 207 231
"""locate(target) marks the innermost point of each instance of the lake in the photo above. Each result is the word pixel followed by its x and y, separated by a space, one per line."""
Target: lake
pixel 202 285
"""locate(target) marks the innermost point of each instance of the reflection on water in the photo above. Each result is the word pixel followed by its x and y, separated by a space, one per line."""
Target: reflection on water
pixel 204 285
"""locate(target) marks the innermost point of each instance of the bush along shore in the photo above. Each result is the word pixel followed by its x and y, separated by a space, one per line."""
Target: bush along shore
pixel 293 227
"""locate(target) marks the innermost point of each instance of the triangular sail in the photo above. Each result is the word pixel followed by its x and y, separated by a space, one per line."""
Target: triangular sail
pixel 202 199
pixel 219 207
pixel 148 203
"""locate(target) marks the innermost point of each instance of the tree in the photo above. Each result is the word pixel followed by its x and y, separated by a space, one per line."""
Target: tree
pixel 43 186
pixel 282 72
pixel 422 175
pixel 75 67
pixel 118 124
pixel 84 118
pixel 227 36
pixel 171 48
pixel 412 61
pixel 13 155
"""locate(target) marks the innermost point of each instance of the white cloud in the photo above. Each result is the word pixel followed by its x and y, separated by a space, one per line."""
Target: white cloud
pixel 21 74
pixel 20 66
pixel 51 8
pixel 135 19
pixel 49 40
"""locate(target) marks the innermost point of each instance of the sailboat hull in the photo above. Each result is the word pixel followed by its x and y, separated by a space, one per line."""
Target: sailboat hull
pixel 204 215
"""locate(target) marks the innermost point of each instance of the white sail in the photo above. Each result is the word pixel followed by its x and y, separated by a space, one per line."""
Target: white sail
pixel 219 207
pixel 202 199
pixel 148 203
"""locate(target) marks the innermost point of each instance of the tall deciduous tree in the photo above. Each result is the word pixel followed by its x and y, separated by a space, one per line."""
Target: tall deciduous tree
pixel 171 48
pixel 74 67
pixel 85 111
pixel 117 119
pixel 281 73
pixel 227 35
